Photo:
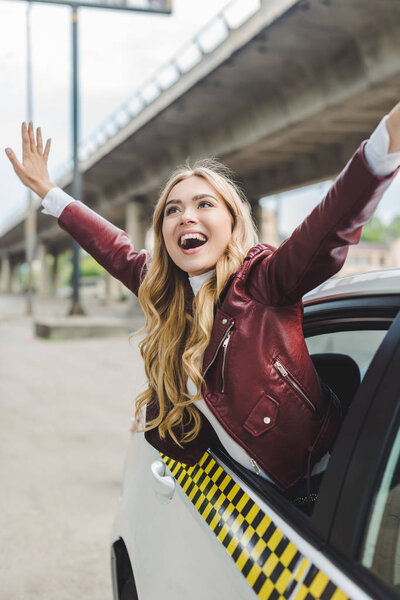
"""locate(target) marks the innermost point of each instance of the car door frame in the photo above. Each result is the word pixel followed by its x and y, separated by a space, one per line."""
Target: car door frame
pixel 364 443
pixel 353 313
pixel 365 465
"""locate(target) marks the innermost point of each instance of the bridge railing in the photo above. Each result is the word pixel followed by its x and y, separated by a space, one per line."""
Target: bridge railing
pixel 206 40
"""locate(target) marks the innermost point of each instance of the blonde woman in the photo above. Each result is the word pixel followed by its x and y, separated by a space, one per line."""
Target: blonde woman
pixel 224 354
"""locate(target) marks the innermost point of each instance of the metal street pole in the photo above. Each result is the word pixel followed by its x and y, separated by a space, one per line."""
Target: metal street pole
pixel 154 6
pixel 76 307
pixel 30 224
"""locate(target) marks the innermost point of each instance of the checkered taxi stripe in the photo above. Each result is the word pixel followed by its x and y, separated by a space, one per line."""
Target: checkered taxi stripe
pixel 270 562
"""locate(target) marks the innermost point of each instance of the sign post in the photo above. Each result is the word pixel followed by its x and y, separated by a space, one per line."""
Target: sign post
pixel 148 6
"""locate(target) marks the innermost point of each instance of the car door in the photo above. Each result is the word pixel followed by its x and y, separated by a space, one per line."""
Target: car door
pixel 277 548
pixel 172 550
pixel 226 533
pixel 357 327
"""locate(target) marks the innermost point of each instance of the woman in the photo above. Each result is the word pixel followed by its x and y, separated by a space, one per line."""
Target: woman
pixel 224 354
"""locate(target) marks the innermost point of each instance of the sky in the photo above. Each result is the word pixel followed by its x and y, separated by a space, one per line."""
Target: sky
pixel 118 52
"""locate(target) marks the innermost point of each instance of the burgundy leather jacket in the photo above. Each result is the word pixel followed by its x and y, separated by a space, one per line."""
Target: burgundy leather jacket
pixel 260 382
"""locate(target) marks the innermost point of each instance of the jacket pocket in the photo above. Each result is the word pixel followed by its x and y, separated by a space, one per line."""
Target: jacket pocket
pixel 263 416
pixel 288 377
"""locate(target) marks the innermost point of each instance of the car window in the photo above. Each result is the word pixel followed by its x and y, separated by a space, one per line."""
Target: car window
pixel 359 345
pixel 381 546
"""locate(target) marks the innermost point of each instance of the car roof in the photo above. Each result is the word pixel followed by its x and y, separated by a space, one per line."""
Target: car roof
pixel 385 281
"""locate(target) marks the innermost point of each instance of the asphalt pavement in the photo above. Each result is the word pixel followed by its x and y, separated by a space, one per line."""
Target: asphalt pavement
pixel 65 409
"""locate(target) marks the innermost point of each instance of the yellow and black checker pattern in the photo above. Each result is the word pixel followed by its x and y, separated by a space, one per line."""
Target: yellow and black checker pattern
pixel 271 564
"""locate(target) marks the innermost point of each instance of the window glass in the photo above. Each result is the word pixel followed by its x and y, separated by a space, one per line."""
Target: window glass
pixel 359 345
pixel 381 546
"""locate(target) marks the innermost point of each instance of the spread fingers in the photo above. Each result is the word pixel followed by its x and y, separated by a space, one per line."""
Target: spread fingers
pixel 47 149
pixel 31 135
pixel 26 145
pixel 13 159
pixel 39 144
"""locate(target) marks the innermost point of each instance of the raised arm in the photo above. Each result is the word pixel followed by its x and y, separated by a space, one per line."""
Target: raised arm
pixel 109 245
pixel 318 248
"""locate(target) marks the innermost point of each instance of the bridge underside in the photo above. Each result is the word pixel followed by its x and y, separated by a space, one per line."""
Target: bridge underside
pixel 286 109
pixel 284 102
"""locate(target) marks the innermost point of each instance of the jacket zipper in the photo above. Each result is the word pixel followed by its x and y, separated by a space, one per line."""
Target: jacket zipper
pixel 219 346
pixel 224 342
pixel 284 373
pixel 225 347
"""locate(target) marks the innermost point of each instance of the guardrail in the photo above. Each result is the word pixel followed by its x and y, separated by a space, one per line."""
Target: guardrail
pixel 206 40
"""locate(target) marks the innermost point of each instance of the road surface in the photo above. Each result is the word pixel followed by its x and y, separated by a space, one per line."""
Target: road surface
pixel 65 409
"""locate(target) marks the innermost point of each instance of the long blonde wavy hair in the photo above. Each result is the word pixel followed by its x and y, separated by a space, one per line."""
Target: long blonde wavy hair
pixel 178 325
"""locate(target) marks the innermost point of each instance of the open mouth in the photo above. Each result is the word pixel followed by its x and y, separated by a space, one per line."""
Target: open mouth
pixel 188 241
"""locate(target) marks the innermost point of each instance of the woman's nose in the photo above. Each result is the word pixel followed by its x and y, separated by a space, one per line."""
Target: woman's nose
pixel 188 216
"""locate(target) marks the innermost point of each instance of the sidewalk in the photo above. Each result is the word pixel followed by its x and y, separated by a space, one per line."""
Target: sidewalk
pixel 65 408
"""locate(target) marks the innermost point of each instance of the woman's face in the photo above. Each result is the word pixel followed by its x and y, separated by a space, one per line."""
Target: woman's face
pixel 197 225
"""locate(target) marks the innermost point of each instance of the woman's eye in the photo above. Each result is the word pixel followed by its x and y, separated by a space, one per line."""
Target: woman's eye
pixel 170 210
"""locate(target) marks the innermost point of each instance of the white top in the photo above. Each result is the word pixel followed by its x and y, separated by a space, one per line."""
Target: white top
pixel 197 281
pixel 232 447
pixel 376 151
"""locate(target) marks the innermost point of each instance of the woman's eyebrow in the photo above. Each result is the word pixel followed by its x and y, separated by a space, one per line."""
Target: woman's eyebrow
pixel 194 199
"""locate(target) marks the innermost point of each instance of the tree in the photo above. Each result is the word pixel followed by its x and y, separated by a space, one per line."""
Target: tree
pixel 374 231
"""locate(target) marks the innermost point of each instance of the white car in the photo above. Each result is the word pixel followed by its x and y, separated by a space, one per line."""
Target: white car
pixel 220 532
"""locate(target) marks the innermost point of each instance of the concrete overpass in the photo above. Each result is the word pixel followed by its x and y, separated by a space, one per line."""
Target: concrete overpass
pixel 284 100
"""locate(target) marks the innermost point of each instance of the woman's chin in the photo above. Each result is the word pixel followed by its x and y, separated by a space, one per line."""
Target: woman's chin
pixel 197 268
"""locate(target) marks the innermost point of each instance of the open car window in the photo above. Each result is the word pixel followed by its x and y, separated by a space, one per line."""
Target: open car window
pixel 359 345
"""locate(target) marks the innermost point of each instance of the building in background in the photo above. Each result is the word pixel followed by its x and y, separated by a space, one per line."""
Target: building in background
pixel 371 256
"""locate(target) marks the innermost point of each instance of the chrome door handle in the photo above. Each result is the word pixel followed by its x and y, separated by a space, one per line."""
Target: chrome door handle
pixel 164 485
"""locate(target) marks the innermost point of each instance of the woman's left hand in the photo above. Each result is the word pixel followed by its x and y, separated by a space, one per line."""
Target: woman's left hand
pixel 393 127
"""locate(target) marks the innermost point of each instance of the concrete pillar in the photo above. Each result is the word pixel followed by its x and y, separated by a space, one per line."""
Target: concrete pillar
pixel 136 226
pixel 15 283
pixel 44 271
pixel 30 249
pixel 256 213
pixel 5 285
pixel 136 221
pixel 149 240
pixel 54 275
pixel 269 227
pixel 113 288
pixel 269 221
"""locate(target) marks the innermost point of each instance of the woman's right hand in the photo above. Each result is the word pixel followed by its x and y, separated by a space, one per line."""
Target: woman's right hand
pixel 33 169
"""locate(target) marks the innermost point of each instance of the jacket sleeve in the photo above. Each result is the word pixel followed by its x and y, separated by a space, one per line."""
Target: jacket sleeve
pixel 109 245
pixel 318 247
